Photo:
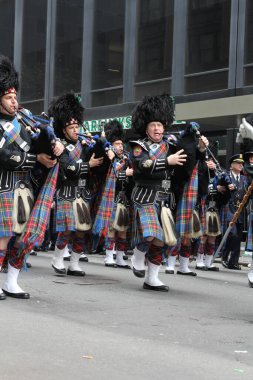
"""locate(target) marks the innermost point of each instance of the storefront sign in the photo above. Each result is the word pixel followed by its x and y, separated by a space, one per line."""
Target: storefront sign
pixel 95 125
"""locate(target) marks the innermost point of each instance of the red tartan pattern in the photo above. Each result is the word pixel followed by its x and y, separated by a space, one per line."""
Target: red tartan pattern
pixel 78 244
pixel 103 217
pixel 187 204
pixel 6 214
pixel 38 221
pixel 160 152
pixel 209 248
pixel 6 206
pixel 75 154
pixel 64 216
pixel 185 251
pixel 15 260
pixel 155 254
pixel 121 244
pixel 146 224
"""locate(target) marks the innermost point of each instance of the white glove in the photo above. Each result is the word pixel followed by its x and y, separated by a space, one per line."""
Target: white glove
pixel 246 130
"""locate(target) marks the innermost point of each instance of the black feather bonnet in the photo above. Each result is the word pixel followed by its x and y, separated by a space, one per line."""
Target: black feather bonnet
pixel 63 110
pixel 153 108
pixel 114 131
pixel 9 82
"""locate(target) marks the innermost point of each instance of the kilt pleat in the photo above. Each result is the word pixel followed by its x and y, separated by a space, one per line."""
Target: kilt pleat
pixel 146 223
pixel 6 206
pixel 6 214
pixel 64 216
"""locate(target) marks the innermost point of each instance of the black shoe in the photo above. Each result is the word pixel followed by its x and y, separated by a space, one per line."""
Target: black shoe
pixel 125 257
pixel 23 295
pixel 59 271
pixel 224 264
pixel 250 284
pixel 234 266
pixel 29 265
pixel 198 267
pixel 139 273
pixel 187 273
pixel 111 265
pixel 169 271
pixel 84 259
pixel 213 269
pixel 2 297
pixel 51 247
pixel 33 253
pixel 67 258
pixel 79 273
pixel 123 266
pixel 160 288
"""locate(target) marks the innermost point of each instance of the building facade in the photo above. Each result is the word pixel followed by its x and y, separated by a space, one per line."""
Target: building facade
pixel 114 52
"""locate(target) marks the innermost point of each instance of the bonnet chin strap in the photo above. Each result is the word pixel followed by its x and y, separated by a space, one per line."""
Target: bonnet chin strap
pixel 153 140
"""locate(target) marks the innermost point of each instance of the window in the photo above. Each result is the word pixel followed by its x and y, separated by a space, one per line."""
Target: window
pixel 248 48
pixel 154 40
pixel 108 44
pixel 106 98
pixel 33 52
pixel 7 16
pixel 68 46
pixel 207 44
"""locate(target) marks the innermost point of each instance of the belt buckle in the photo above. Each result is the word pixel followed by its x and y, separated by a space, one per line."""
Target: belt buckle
pixel 166 185
pixel 81 182
pixel 212 204
pixel 238 204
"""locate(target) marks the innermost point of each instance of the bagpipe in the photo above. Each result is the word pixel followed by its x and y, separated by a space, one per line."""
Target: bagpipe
pixel 41 130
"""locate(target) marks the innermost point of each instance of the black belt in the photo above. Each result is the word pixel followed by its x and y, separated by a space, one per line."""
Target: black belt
pixel 156 187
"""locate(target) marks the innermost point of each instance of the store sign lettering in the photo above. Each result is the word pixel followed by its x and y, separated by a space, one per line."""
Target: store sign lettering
pixel 95 125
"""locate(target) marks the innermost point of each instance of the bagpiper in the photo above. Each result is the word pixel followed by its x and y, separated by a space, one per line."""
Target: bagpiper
pixel 16 163
pixel 72 213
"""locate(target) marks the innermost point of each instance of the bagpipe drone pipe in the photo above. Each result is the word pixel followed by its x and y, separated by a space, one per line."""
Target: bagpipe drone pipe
pixel 41 130
pixel 187 139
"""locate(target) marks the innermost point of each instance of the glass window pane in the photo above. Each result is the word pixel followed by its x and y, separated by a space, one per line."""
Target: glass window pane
pixel 7 19
pixel 208 82
pixel 152 89
pixel 248 52
pixel 155 39
pixel 248 76
pixel 108 44
pixel 208 32
pixel 106 98
pixel 33 50
pixel 68 46
pixel 248 46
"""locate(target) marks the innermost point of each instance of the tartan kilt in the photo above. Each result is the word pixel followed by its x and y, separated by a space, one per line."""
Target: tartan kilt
pixel 146 223
pixel 6 206
pixel 112 217
pixel 64 216
pixel 6 214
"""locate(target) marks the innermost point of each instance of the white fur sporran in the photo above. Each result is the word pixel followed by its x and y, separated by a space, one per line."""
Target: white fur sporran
pixel 121 220
pixel 213 225
pixel 196 230
pixel 82 215
pixel 22 207
pixel 168 225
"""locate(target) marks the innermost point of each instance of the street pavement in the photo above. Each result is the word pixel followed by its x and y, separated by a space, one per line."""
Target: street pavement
pixel 106 327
